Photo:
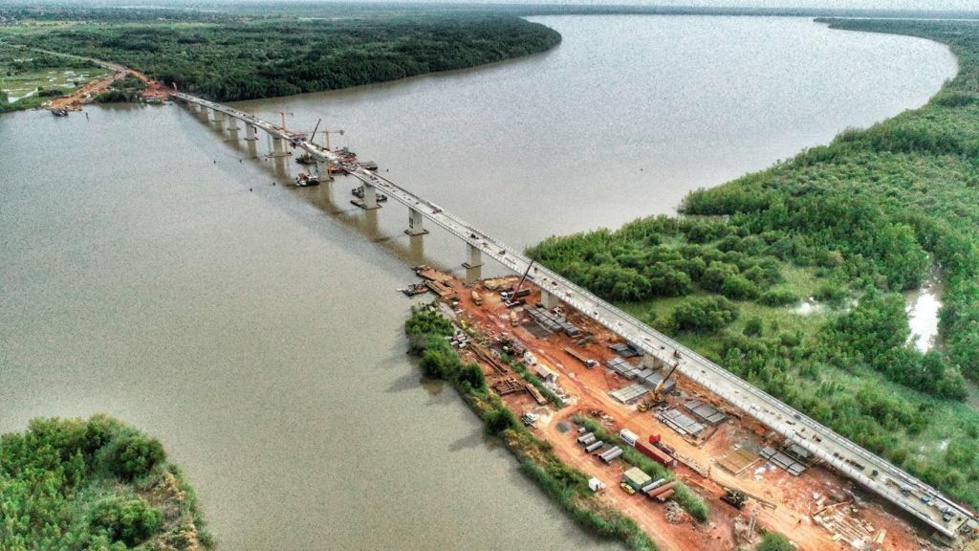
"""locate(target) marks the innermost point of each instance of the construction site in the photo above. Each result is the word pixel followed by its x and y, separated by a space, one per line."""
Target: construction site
pixel 554 367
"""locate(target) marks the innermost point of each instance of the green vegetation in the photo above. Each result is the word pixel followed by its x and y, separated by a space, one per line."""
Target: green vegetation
pixel 229 58
pixel 773 541
pixel 852 224
pixel 98 484
pixel 123 90
pixel 32 78
pixel 428 332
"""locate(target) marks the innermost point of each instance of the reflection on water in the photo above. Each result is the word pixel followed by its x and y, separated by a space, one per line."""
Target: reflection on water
pixel 922 308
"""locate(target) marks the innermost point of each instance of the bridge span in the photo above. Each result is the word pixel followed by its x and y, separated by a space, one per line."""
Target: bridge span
pixel 869 470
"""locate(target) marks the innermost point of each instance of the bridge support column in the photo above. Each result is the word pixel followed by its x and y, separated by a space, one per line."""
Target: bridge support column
pixel 233 124
pixel 278 147
pixel 548 299
pixel 652 362
pixel 250 132
pixel 369 202
pixel 323 169
pixel 415 220
pixel 204 114
pixel 475 257
pixel 218 116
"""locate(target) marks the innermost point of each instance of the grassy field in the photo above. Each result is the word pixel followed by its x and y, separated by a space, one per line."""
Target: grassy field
pixel 29 78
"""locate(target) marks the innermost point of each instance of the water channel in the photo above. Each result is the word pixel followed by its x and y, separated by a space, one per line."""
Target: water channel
pixel 152 271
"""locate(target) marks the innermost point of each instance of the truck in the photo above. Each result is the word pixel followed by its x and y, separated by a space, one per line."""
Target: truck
pixel 656 454
pixel 630 437
pixel 477 300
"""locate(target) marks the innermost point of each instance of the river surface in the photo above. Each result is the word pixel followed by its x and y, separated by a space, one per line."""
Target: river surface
pixel 151 270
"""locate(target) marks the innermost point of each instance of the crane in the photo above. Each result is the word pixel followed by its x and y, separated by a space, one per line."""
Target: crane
pixel 657 398
pixel 327 133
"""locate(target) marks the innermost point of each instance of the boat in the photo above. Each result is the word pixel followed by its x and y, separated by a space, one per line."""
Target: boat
pixel 306 159
pixel 415 289
pixel 57 112
pixel 304 180
pixel 369 165
pixel 358 192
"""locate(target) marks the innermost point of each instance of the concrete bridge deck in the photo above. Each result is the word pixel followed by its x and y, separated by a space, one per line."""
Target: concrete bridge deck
pixel 871 471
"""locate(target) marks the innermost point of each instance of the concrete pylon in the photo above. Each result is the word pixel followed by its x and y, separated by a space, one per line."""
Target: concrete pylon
pixel 415 223
pixel 549 299
pixel 278 147
pixel 323 169
pixel 250 132
pixel 475 257
pixel 232 123
pixel 218 115
pixel 370 198
pixel 652 362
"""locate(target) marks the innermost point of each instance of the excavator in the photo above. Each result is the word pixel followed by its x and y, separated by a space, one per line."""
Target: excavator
pixel 657 397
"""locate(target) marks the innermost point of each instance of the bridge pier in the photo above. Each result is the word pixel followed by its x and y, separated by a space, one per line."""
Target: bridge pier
pixel 549 299
pixel 233 124
pixel 323 169
pixel 652 362
pixel 278 147
pixel 203 113
pixel 415 220
pixel 369 202
pixel 250 132
pixel 475 257
pixel 218 116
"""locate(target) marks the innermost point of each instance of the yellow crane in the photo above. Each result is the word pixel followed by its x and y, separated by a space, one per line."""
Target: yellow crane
pixel 657 397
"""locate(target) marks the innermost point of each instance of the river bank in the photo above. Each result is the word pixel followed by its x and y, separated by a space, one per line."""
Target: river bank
pixel 849 226
pixel 490 338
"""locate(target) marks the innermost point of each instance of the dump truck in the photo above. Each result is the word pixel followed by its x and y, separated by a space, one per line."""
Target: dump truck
pixel 477 300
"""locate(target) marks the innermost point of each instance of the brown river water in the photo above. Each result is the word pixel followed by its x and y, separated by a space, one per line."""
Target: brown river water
pixel 258 333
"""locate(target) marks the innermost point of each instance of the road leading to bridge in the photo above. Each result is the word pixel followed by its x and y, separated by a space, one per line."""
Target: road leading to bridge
pixel 871 471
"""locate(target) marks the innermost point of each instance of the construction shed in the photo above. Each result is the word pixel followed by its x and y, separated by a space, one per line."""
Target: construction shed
pixel 624 350
pixel 623 368
pixel 636 478
pixel 545 373
pixel 629 394
pixel 705 412
pixel 655 379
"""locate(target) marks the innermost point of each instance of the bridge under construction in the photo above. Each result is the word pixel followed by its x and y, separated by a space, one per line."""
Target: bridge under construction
pixel 869 470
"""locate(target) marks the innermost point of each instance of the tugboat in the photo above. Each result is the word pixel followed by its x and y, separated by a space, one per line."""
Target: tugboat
pixel 358 192
pixel 415 289
pixel 305 180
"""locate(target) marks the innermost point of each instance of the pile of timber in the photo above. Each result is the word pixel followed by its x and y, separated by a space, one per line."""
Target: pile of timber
pixel 508 386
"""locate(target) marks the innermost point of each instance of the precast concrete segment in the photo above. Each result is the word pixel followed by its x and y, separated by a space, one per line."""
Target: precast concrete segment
pixel 835 450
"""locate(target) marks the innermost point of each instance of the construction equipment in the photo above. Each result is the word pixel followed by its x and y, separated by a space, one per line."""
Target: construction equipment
pixel 735 498
pixel 657 395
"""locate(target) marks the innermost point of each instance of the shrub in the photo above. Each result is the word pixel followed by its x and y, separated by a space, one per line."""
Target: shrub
pixel 134 455
pixel 130 521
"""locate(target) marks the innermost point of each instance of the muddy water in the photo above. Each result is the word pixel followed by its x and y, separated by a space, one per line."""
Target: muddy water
pixel 151 269
pixel 922 309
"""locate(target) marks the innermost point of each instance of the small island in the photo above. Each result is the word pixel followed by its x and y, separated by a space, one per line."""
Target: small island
pixel 97 484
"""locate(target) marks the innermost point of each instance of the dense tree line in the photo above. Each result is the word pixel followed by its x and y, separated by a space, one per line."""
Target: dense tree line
pixel 855 223
pixel 245 59
pixel 73 484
